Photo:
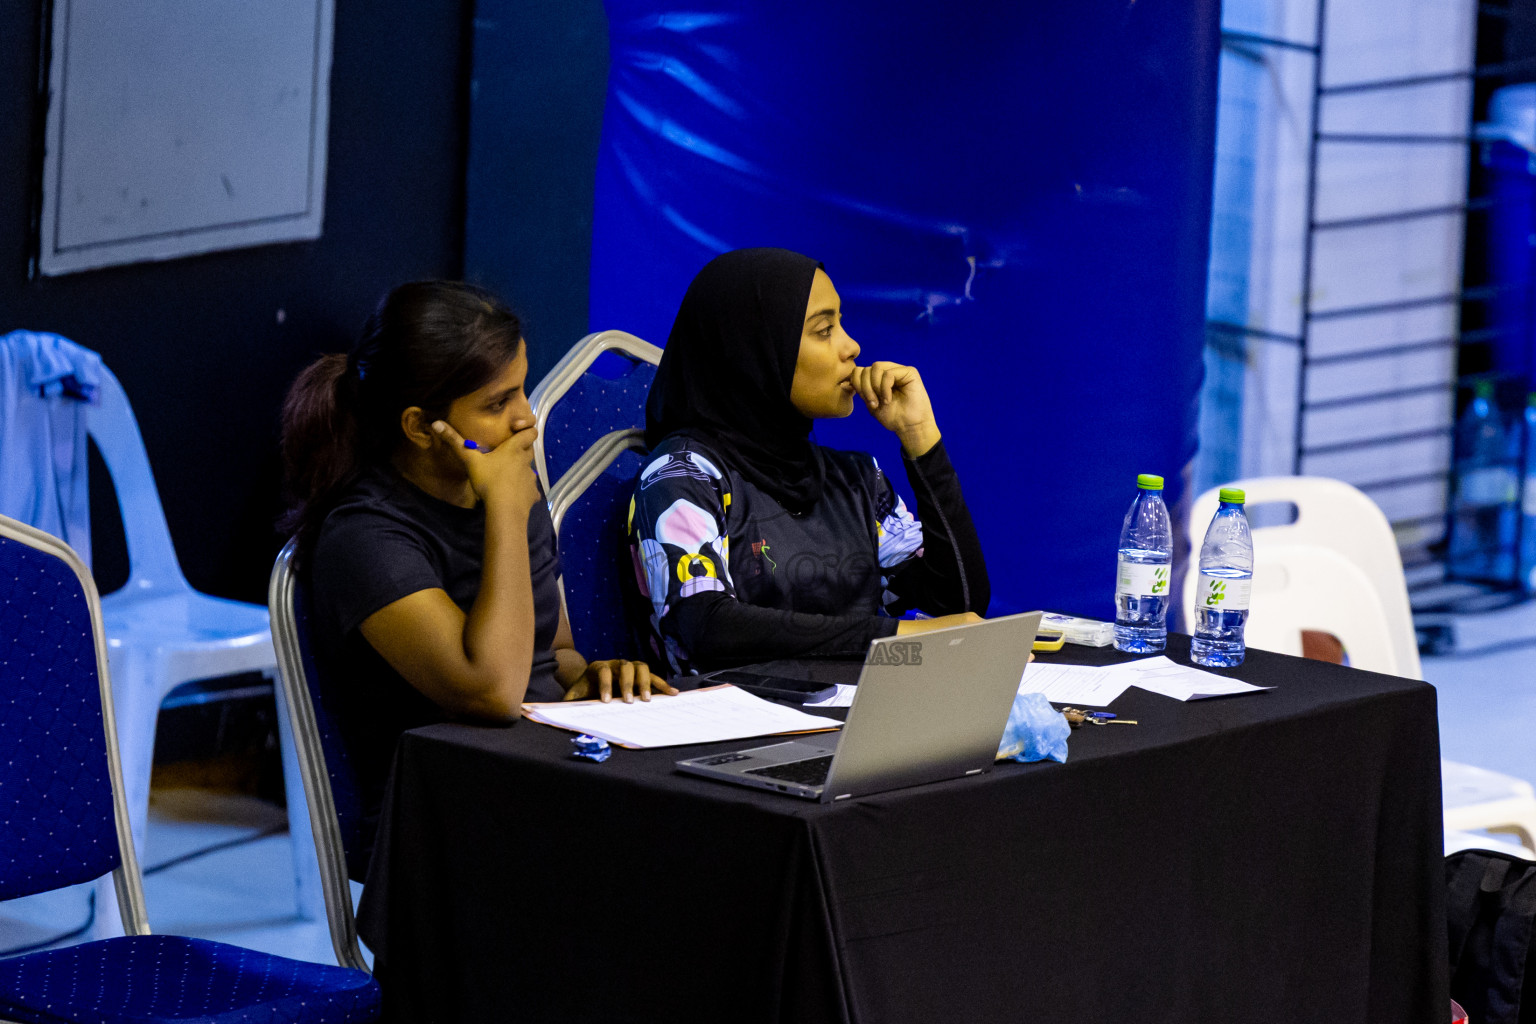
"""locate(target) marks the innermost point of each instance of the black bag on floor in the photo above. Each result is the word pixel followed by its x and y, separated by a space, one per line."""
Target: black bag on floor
pixel 1491 911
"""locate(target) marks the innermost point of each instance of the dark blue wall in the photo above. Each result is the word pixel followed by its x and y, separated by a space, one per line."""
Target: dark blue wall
pixel 540 67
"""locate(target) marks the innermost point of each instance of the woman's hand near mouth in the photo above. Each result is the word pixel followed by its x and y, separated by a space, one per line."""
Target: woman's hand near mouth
pixel 895 397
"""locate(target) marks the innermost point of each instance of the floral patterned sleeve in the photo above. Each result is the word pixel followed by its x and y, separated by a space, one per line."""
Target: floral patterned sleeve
pixel 936 563
pixel 900 536
pixel 677 522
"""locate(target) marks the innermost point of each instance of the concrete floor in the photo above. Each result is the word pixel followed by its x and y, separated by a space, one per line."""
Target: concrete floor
pixel 1488 708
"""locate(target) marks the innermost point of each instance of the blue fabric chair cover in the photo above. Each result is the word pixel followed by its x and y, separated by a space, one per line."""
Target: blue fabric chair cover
pixel 609 396
pixel 61 825
pixel 598 568
pixel 344 792
pixel 324 771
pixel 138 979
pixel 56 825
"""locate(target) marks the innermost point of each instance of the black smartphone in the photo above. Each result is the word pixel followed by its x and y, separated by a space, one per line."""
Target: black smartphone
pixel 781 688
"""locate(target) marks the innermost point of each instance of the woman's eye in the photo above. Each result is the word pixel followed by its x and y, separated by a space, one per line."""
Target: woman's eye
pixel 825 332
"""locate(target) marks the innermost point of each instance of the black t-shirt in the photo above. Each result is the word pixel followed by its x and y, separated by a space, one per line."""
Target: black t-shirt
pixel 384 540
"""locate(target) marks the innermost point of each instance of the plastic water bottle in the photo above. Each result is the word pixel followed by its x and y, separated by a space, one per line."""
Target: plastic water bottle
pixel 1145 571
pixel 1528 500
pixel 1226 580
pixel 1484 522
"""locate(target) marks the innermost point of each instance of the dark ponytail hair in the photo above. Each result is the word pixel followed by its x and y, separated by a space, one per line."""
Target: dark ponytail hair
pixel 427 343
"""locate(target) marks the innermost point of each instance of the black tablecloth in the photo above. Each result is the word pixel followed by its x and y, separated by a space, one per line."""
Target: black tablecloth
pixel 1269 857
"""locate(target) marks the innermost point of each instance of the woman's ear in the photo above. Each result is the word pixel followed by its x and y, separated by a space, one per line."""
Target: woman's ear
pixel 417 427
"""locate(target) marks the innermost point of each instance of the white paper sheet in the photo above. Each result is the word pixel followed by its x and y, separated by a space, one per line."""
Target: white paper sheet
pixel 843 698
pixel 1160 675
pixel 708 715
pixel 1082 686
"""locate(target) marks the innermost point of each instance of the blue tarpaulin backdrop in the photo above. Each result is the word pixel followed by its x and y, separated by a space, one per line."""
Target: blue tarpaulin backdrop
pixel 1013 198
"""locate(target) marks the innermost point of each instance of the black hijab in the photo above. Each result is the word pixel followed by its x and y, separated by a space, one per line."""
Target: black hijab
pixel 727 368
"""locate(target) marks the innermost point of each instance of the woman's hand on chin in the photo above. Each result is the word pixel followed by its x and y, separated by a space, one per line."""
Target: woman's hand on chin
pixel 504 474
pixel 895 397
pixel 629 678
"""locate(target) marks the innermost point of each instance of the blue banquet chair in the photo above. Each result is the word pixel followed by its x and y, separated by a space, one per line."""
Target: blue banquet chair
pixel 330 787
pixel 590 506
pixel 65 821
pixel 599 386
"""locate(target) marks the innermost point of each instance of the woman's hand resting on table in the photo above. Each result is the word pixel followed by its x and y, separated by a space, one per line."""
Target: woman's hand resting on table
pixel 909 626
pixel 633 678
pixel 895 397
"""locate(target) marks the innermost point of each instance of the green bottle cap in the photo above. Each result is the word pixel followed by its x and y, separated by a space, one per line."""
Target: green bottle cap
pixel 1483 389
pixel 1149 482
pixel 1233 495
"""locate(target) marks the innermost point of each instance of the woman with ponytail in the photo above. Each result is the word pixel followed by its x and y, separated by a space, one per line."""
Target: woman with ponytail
pixel 422 531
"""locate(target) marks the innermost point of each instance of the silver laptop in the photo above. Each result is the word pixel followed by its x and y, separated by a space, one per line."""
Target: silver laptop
pixel 929 706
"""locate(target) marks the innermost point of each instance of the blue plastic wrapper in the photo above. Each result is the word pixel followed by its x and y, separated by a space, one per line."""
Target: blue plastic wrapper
pixel 591 748
pixel 1036 731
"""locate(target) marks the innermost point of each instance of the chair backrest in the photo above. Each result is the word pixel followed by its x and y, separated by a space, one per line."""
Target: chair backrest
pixel 589 507
pixel 152 561
pixel 330 788
pixel 575 404
pixel 1304 587
pixel 62 811
pixel 1333 515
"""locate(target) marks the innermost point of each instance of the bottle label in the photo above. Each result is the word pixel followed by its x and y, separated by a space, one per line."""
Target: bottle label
pixel 1488 485
pixel 1141 579
pixel 1223 595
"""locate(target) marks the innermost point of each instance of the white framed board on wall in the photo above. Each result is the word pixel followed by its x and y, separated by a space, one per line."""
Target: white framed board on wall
pixel 177 127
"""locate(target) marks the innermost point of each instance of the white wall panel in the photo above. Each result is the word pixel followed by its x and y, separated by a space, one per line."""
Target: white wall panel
pixel 182 126
pixel 1398 371
pixel 1432 322
pixel 1380 418
pixel 1375 464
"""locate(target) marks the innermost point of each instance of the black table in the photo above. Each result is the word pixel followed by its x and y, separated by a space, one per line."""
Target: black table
pixel 1270 857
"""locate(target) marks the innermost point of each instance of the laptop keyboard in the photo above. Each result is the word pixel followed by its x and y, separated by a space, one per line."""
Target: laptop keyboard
pixel 810 772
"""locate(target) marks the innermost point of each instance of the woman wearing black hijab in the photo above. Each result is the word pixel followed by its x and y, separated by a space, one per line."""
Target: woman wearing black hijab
pixel 752 542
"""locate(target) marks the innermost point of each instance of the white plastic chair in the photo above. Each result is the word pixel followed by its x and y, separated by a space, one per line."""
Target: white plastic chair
pixel 1476 798
pixel 162 633
pixel 1333 515
pixel 1456 842
pixel 1298 587
pixel 1336 569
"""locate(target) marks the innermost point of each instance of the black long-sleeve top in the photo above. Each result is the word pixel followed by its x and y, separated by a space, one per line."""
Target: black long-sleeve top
pixel 732 577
